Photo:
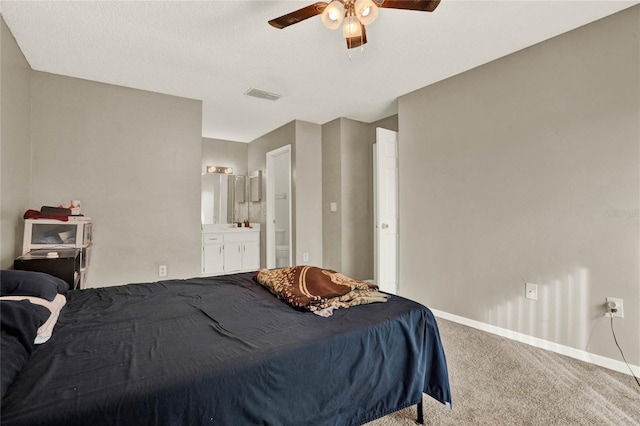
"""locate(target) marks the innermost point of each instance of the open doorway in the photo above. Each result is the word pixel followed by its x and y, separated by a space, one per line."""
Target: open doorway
pixel 279 238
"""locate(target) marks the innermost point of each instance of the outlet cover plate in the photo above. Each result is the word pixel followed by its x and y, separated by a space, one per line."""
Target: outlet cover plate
pixel 162 270
pixel 531 291
pixel 620 312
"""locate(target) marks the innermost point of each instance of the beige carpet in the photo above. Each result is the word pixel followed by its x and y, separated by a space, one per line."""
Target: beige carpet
pixel 497 381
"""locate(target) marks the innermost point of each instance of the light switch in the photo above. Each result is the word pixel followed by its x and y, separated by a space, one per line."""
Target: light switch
pixel 334 207
pixel 531 291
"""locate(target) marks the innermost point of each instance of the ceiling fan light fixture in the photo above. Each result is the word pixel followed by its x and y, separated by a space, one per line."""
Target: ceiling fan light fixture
pixel 366 11
pixel 355 15
pixel 352 27
pixel 333 14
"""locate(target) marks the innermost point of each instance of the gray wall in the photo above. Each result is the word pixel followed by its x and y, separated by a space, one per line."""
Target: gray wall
pixel 257 160
pixel 217 152
pixel 332 192
pixel 133 158
pixel 390 123
pixel 308 187
pixel 347 179
pixel 526 169
pixel 305 140
pixel 357 178
pixel 15 144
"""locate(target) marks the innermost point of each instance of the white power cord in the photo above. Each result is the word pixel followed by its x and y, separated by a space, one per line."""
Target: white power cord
pixel 611 312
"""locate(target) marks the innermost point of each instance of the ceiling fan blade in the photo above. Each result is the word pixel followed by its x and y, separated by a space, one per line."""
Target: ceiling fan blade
pixel 421 5
pixel 357 41
pixel 298 15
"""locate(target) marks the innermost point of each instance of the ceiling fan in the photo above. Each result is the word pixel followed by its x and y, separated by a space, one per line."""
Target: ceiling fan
pixel 356 14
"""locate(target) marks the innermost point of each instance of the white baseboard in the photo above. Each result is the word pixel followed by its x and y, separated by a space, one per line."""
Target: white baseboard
pixel 602 361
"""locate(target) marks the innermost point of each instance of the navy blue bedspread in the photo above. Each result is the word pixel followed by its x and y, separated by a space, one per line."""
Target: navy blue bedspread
pixel 225 351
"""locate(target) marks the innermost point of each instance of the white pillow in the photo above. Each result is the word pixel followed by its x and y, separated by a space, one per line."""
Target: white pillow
pixel 46 330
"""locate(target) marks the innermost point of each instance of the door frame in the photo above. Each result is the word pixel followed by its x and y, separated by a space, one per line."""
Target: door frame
pixel 270 197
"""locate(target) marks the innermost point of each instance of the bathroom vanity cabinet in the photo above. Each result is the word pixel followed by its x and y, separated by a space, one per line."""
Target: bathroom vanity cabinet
pixel 227 250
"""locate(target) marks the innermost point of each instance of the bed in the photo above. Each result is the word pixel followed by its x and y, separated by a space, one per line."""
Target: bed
pixel 223 351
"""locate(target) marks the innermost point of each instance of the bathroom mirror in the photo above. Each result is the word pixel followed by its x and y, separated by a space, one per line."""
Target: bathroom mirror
pixel 221 197
pixel 239 185
pixel 255 185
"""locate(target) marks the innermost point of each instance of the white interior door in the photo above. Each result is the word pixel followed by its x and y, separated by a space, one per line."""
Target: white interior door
pixel 385 157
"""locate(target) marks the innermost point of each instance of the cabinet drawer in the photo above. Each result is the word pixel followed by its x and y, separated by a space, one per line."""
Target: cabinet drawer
pixel 212 238
pixel 241 237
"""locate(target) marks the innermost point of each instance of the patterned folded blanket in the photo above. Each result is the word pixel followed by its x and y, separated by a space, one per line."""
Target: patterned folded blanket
pixel 318 290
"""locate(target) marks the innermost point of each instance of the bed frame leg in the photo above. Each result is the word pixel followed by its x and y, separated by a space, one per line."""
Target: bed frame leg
pixel 420 419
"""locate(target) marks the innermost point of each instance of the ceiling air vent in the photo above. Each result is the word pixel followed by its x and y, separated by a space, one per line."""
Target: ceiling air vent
pixel 261 94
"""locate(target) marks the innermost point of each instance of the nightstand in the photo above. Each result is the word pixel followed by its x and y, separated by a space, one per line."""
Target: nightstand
pixel 65 264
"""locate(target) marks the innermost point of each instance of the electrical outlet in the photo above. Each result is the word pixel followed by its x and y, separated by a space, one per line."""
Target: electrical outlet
pixel 162 270
pixel 531 291
pixel 305 257
pixel 616 303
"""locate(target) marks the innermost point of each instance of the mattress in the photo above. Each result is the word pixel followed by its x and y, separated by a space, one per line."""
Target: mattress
pixel 224 350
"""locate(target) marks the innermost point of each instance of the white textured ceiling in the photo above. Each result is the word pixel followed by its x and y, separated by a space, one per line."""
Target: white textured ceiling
pixel 216 50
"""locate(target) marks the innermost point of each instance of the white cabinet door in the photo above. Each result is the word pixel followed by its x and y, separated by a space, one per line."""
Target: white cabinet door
pixel 230 252
pixel 212 258
pixel 251 256
pixel 232 257
pixel 386 210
